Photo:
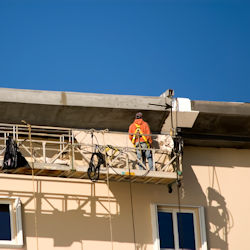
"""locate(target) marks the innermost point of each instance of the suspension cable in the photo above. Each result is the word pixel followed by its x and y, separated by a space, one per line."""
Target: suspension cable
pixel 131 196
pixel 132 208
pixel 110 217
pixel 33 184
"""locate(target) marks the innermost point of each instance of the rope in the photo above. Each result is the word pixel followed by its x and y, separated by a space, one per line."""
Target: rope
pixel 110 218
pixel 176 115
pixel 179 210
pixel 172 123
pixel 132 208
pixel 131 197
pixel 179 152
pixel 33 184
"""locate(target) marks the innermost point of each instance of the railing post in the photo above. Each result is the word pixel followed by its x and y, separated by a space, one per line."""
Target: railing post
pixel 153 158
pixel 44 151
pixel 63 140
pixel 13 131
pixel 16 133
pixel 127 160
pixel 72 150
pixel 5 138
pixel 60 145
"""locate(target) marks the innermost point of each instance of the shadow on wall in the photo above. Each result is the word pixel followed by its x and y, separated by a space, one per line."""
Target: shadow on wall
pixel 219 220
pixel 69 215
pixel 216 212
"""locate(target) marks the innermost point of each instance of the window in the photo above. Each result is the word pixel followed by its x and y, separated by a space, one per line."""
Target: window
pixel 11 234
pixel 175 228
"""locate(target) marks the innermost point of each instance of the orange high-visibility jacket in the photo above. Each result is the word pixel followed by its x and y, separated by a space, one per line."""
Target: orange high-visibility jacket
pixel 144 129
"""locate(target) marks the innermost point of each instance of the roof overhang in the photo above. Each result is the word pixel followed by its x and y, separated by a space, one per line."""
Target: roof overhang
pixel 80 110
pixel 201 123
pixel 219 124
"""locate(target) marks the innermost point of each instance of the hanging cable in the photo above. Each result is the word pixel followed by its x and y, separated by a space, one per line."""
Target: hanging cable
pixel 180 227
pixel 110 218
pixel 178 182
pixel 132 208
pixel 130 193
pixel 33 182
pixel 179 152
pixel 171 117
pixel 97 159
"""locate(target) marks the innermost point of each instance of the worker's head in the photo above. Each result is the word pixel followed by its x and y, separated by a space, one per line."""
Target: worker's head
pixel 138 115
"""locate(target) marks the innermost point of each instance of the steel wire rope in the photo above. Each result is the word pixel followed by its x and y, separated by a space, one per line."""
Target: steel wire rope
pixel 132 208
pixel 33 184
pixel 131 200
pixel 110 218
pixel 181 240
pixel 179 211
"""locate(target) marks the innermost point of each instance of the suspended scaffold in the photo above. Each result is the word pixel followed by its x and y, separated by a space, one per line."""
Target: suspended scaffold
pixel 83 154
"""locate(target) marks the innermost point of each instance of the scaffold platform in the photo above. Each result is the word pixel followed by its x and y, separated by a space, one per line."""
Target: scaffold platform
pixel 66 153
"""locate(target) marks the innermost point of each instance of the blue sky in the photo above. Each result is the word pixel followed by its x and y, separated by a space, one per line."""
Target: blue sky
pixel 201 49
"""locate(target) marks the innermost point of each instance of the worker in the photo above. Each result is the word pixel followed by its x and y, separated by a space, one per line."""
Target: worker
pixel 139 134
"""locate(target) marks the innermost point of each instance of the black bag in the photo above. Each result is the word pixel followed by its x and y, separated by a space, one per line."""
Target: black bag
pixel 13 158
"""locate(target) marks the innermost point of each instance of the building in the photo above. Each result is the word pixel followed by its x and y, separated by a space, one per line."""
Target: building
pixel 195 198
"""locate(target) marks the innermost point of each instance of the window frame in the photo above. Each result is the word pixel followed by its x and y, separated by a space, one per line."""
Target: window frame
pixel 198 218
pixel 15 222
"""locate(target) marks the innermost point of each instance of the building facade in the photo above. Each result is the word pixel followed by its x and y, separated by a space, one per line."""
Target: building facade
pixel 201 202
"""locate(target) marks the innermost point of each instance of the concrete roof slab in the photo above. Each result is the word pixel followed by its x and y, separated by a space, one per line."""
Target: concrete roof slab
pixel 59 98
pixel 80 110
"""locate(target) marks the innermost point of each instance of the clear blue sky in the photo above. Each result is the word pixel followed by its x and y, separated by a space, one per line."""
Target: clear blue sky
pixel 200 48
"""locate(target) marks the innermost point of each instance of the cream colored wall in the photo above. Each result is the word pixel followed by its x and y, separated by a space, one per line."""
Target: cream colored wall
pixel 74 214
pixel 219 179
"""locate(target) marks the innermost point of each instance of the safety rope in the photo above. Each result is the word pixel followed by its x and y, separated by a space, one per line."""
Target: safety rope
pixel 132 208
pixel 131 197
pixel 181 240
pixel 33 184
pixel 178 152
pixel 110 217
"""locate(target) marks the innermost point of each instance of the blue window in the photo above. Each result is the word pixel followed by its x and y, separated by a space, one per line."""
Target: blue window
pixel 11 233
pixel 5 227
pixel 166 232
pixel 181 228
pixel 186 230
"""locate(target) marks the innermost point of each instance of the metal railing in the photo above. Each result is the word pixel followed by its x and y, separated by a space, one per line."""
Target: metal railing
pixel 66 146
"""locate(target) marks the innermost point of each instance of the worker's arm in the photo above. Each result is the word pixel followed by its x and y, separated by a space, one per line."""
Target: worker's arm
pixel 131 130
